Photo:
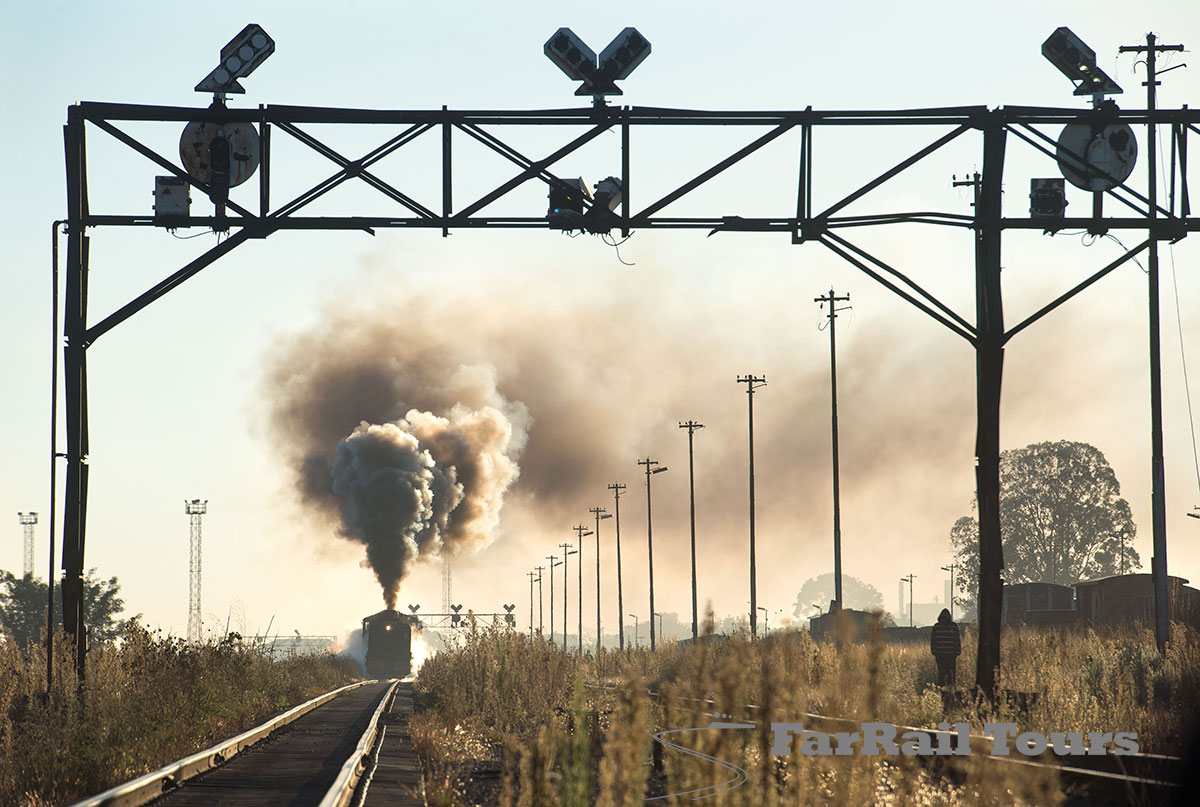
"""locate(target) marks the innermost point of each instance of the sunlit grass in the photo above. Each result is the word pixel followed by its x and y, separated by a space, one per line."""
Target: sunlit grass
pixel 519 702
pixel 144 703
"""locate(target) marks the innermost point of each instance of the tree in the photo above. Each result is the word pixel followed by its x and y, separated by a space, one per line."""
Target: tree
pixel 1062 520
pixel 23 608
pixel 820 589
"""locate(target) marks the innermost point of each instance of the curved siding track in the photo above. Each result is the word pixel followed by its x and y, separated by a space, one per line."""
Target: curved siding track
pixel 1107 779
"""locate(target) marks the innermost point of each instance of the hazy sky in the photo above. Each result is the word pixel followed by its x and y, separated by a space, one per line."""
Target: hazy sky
pixel 603 357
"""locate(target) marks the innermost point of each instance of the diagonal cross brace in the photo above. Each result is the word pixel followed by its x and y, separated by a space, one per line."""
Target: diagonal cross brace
pixel 351 169
pixel 1083 162
pixel 163 162
pixel 1046 309
pixel 534 169
pixel 736 157
pixel 968 334
pixel 162 288
pixel 504 150
pixel 862 253
pixel 894 170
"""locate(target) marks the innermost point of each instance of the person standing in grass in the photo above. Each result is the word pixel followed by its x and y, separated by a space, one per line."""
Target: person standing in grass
pixel 946 646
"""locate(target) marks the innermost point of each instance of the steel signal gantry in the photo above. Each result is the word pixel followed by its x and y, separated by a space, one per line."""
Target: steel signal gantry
pixel 804 222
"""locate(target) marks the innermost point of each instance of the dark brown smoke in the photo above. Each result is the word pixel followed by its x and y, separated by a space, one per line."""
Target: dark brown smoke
pixel 590 382
pixel 421 486
pixel 594 367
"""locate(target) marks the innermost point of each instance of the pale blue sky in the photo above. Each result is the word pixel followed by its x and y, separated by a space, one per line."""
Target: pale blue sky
pixel 176 391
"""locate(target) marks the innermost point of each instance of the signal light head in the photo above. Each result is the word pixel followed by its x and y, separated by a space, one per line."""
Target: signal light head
pixel 578 61
pixel 1077 62
pixel 239 58
pixel 623 54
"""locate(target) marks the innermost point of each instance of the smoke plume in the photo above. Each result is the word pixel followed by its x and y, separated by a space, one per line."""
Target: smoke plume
pixel 404 417
pixel 421 486
pixel 403 450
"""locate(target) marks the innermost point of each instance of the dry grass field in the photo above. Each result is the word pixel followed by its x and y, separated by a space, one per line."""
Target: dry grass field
pixel 145 702
pixel 510 720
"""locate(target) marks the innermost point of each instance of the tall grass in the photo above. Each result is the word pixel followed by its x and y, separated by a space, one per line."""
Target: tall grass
pixel 521 703
pixel 145 702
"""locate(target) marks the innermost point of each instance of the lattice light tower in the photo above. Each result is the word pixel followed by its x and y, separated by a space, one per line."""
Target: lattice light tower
pixel 447 586
pixel 195 510
pixel 27 521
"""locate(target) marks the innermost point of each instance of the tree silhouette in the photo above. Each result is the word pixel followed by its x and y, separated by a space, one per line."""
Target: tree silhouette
pixel 855 594
pixel 23 608
pixel 1062 520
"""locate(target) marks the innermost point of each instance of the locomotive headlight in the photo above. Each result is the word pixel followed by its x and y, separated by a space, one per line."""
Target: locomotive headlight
pixel 387 627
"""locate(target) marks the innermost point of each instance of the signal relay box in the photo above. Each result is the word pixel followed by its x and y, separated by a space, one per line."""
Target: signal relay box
pixel 172 200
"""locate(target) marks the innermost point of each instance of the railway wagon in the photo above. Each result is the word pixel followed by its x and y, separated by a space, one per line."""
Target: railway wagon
pixel 388 636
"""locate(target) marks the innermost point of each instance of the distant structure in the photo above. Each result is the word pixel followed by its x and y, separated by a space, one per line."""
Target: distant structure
pixel 27 521
pixel 195 510
pixel 447 586
pixel 1040 604
pixel 1129 599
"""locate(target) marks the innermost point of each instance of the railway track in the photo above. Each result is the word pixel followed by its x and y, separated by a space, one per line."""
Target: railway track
pixel 347 748
pixel 1107 779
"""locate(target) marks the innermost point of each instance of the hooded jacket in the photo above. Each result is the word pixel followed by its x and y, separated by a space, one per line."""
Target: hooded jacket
pixel 944 639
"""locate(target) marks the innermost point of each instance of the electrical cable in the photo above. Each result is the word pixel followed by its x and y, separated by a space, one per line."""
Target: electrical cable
pixel 616 245
pixel 1183 358
pixel 1179 325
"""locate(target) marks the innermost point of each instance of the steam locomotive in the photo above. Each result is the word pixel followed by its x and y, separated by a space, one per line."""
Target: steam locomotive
pixel 388 637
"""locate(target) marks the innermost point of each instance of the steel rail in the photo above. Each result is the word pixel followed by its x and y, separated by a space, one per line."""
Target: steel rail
pixel 1107 770
pixel 342 790
pixel 152 785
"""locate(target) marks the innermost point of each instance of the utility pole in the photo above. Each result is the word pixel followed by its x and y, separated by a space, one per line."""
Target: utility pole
pixel 567 552
pixel 1158 495
pixel 531 577
pixel 599 513
pixel 650 469
pixel 618 488
pixel 989 366
pixel 951 569
pixel 691 427
pixel 540 569
pixel 752 383
pixel 27 522
pixel 635 629
pixel 195 510
pixel 909 580
pixel 582 532
pixel 833 300
pixel 553 563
